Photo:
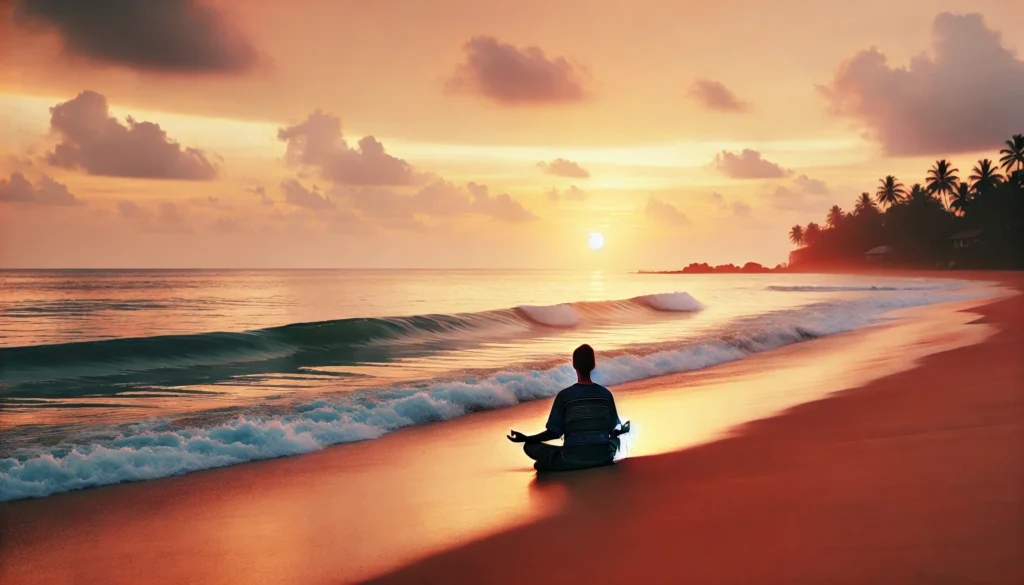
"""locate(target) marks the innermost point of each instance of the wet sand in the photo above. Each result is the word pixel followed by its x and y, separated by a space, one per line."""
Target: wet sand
pixel 915 477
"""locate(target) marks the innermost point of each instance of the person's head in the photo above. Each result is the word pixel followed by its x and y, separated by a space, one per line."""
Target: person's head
pixel 583 361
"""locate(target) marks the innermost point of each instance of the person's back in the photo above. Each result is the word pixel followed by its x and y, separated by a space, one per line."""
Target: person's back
pixel 585 415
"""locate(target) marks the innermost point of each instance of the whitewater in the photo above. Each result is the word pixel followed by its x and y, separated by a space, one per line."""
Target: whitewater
pixel 93 409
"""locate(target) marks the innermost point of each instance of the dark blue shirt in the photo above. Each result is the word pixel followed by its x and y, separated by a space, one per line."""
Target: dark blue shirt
pixel 556 421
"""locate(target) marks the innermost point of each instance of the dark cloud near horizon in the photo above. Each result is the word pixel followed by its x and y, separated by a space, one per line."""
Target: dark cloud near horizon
pixel 18 189
pixel 748 164
pixel 300 196
pixel 564 168
pixel 966 94
pixel 318 142
pixel 164 35
pixel 713 95
pixel 665 212
pixel 101 145
pixel 512 76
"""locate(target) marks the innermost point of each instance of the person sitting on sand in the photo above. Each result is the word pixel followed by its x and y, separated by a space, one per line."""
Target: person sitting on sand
pixel 585 414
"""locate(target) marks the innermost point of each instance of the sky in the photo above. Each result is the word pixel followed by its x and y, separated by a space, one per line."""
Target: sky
pixel 468 134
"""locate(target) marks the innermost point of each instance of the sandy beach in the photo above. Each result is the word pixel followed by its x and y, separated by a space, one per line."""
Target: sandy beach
pixel 909 473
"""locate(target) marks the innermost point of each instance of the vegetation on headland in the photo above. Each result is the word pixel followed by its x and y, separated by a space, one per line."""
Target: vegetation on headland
pixel 705 268
pixel 948 222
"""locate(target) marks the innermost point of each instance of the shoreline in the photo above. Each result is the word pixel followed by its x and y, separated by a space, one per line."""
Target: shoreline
pixel 323 420
pixel 445 485
pixel 914 477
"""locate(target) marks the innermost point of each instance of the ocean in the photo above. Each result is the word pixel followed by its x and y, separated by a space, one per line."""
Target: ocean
pixel 125 375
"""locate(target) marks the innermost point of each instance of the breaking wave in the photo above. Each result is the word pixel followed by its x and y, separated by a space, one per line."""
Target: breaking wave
pixel 113 356
pixel 157 448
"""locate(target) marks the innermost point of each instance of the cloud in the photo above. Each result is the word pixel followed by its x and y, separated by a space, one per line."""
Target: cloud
pixel 564 168
pixel 501 207
pixel 101 145
pixel 748 165
pixel 737 208
pixel 509 75
pixel 803 194
pixel 664 212
pixel 740 209
pixel 261 192
pixel 573 193
pixel 713 95
pixel 344 221
pixel 965 95
pixel 166 35
pixel 131 210
pixel 810 186
pixel 296 194
pixel 317 142
pixel 47 192
pixel 440 198
pixel 377 185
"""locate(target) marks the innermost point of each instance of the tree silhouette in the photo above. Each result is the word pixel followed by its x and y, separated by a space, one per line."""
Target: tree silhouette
pixel 917 223
pixel 865 204
pixel 835 217
pixel 941 179
pixel 986 174
pixel 961 198
pixel 1013 154
pixel 918 194
pixel 796 235
pixel 812 233
pixel 890 192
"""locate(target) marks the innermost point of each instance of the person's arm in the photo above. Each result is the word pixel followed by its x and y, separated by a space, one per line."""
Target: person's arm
pixel 546 435
pixel 555 427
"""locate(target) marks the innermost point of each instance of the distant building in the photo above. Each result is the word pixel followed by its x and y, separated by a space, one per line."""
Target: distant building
pixel 966 239
pixel 879 254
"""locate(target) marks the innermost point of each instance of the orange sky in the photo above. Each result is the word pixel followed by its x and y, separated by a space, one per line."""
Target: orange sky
pixel 503 132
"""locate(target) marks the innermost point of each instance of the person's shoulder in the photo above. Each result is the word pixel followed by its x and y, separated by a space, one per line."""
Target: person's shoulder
pixel 568 390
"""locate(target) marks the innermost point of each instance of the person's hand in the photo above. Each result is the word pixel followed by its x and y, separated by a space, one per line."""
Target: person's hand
pixel 517 437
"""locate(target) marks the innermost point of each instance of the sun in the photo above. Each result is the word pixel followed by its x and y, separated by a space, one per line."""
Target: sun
pixel 596 241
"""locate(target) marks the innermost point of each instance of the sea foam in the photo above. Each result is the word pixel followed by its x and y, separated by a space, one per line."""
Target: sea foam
pixel 157 449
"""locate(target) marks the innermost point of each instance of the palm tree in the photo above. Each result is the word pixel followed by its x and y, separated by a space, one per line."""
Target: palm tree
pixel 835 217
pixel 918 193
pixel 796 235
pixel 986 174
pixel 961 198
pixel 890 192
pixel 811 233
pixel 865 204
pixel 941 179
pixel 1013 154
